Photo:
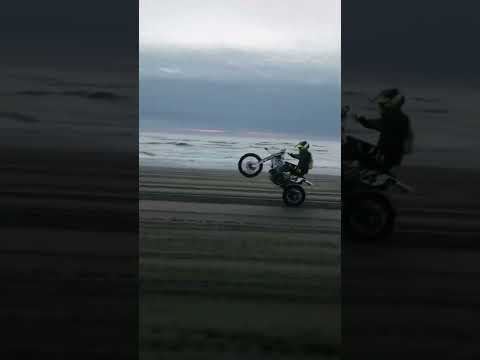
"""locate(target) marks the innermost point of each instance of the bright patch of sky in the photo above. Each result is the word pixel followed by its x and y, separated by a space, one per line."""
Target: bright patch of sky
pixel 310 27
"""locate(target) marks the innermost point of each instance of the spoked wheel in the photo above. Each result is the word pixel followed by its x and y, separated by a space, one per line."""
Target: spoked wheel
pixel 370 216
pixel 250 165
pixel 293 195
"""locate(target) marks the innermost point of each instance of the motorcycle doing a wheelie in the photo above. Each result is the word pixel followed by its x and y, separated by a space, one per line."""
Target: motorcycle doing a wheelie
pixel 367 209
pixel 251 164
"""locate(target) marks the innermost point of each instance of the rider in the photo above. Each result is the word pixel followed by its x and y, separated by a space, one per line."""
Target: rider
pixel 304 157
pixel 394 128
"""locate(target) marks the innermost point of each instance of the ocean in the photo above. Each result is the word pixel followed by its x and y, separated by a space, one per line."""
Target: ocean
pixel 443 125
pixel 220 151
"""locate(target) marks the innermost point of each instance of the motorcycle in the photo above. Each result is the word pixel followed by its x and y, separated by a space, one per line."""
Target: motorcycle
pixel 367 209
pixel 251 164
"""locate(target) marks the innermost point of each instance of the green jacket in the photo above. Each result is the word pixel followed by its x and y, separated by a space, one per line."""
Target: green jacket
pixel 304 158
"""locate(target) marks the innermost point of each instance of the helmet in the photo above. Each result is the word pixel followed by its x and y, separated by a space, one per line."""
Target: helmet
pixel 390 99
pixel 302 145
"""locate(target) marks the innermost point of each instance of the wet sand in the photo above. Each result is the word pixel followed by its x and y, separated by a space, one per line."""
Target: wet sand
pixel 68 253
pixel 229 272
pixel 416 293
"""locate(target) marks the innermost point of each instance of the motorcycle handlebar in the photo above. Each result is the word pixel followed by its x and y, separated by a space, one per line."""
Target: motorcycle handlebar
pixel 280 151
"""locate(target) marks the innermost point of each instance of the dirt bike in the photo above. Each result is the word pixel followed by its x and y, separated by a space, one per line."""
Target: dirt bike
pixel 250 165
pixel 367 209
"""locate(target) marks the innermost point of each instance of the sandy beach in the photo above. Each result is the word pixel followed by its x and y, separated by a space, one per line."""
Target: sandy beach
pixel 68 255
pixel 229 272
pixel 415 293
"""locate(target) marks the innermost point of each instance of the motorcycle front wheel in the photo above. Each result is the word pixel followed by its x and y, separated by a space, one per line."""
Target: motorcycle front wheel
pixel 250 165
pixel 293 195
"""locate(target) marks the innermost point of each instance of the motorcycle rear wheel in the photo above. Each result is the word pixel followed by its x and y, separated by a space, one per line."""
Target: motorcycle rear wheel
pixel 369 216
pixel 293 195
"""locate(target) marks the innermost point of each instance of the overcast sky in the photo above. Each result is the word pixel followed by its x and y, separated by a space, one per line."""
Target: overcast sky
pixel 311 26
pixel 240 65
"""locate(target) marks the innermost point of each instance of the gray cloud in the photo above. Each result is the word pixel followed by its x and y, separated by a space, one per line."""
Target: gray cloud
pixel 310 26
pixel 241 65
pixel 228 65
